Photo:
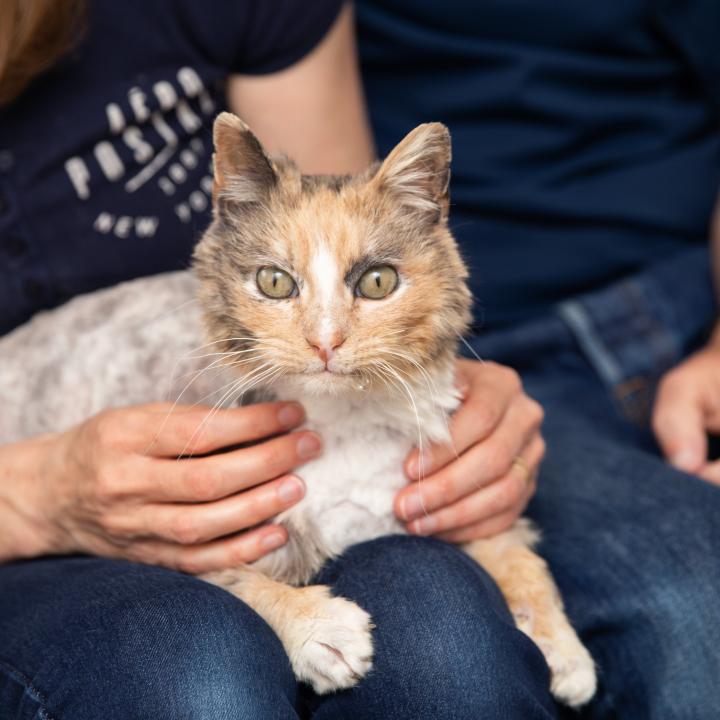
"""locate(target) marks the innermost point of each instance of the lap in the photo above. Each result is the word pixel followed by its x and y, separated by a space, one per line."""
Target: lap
pixel 88 637
pixel 634 547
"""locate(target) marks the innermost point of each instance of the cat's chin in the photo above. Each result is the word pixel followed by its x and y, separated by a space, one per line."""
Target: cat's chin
pixel 327 383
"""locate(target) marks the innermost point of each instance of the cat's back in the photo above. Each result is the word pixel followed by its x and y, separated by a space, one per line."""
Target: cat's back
pixel 114 347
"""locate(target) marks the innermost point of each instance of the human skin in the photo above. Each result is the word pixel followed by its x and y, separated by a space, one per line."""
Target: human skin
pixel 97 488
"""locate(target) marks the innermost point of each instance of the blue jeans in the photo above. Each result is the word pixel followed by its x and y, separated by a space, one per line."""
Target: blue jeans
pixel 633 544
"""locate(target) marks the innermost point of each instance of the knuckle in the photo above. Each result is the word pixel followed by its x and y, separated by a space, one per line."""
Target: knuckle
pixel 275 459
pixel 498 462
pixel 512 378
pixel 106 485
pixel 509 493
pixel 203 483
pixel 537 412
pixel 238 555
pixel 541 448
pixel 443 488
pixel 106 427
pixel 183 528
pixel 189 564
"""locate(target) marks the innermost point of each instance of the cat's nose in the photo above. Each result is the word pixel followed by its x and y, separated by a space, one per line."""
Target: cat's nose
pixel 326 348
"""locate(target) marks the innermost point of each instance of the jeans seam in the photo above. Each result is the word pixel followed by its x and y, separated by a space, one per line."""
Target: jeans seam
pixel 30 689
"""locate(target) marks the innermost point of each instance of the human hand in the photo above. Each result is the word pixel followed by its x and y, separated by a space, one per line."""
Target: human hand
pixel 113 486
pixel 478 485
pixel 687 407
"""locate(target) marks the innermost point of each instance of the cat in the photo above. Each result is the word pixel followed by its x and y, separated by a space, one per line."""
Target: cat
pixel 347 294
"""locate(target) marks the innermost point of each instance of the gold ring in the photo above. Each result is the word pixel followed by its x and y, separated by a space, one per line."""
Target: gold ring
pixel 518 462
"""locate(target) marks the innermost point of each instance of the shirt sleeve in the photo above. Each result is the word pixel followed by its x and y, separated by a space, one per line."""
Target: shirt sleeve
pixel 693 27
pixel 278 33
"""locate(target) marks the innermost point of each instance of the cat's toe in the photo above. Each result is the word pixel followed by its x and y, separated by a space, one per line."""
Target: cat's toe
pixel 336 650
pixel 573 676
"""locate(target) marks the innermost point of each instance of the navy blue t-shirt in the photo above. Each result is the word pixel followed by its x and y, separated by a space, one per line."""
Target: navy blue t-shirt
pixel 586 135
pixel 105 160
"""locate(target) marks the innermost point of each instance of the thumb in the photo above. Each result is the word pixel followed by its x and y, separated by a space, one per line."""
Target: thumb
pixel 679 424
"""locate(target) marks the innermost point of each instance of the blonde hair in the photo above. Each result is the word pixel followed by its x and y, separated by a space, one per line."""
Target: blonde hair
pixel 34 35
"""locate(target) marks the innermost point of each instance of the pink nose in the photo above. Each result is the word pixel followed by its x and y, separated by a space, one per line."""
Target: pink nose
pixel 326 350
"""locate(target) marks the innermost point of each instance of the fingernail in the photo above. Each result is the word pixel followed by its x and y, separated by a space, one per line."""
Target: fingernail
pixel 291 489
pixel 411 506
pixel 309 446
pixel 291 415
pixel 272 541
pixel 686 460
pixel 425 526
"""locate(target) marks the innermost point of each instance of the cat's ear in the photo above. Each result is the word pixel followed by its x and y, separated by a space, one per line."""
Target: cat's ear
pixel 243 172
pixel 417 171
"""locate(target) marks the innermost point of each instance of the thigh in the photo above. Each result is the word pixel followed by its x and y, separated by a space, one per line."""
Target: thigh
pixel 445 644
pixel 93 638
pixel 634 547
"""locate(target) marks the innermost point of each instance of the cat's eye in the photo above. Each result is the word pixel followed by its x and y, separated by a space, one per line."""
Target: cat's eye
pixel 378 282
pixel 276 283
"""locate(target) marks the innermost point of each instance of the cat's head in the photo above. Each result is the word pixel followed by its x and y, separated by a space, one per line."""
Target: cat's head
pixel 334 282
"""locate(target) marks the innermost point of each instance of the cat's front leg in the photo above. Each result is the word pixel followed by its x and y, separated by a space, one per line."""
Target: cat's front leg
pixel 534 600
pixel 327 639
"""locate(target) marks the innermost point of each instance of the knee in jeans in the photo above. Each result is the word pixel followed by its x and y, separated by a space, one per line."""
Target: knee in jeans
pixel 192 650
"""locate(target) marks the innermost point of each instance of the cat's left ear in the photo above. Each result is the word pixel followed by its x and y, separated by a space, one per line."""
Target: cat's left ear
pixel 243 172
pixel 417 172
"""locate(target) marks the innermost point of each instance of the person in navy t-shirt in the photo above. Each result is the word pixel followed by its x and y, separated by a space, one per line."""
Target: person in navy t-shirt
pixel 586 164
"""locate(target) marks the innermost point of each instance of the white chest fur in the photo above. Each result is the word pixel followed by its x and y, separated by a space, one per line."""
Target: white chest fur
pixel 351 487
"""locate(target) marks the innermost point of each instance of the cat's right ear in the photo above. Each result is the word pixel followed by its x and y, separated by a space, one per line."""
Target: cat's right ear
pixel 243 172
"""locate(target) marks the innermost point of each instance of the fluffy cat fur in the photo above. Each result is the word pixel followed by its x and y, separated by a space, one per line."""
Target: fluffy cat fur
pixel 375 376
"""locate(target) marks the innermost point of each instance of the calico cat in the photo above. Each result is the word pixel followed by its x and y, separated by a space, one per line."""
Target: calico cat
pixel 349 295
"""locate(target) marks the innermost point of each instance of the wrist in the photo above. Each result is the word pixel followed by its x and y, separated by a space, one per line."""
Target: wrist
pixel 25 500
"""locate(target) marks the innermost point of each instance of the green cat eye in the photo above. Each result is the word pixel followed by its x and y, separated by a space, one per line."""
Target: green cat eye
pixel 378 282
pixel 275 283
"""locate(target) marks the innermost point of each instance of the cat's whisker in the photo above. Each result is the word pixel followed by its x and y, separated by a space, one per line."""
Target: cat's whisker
pixel 434 396
pixel 469 347
pixel 235 385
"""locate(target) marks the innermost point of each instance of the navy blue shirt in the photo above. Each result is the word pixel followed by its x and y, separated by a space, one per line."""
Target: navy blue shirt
pixel 105 160
pixel 586 135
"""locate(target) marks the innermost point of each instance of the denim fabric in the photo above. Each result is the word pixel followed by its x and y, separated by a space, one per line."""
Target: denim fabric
pixel 633 544
pixel 92 639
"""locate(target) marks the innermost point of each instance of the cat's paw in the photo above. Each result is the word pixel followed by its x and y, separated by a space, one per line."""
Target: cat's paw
pixel 330 645
pixel 573 677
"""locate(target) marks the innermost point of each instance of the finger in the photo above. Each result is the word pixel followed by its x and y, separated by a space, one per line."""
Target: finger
pixel 196 523
pixel 478 466
pixel 483 529
pixel 711 472
pixel 509 494
pixel 491 390
pixel 679 425
pixel 218 476
pixel 171 432
pixel 218 555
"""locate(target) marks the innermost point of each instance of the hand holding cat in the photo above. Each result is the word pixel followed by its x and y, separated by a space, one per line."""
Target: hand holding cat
pixel 113 486
pixel 687 407
pixel 476 487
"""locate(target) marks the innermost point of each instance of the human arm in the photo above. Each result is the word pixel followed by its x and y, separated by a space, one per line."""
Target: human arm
pixel 476 486
pixel 313 111
pixel 113 486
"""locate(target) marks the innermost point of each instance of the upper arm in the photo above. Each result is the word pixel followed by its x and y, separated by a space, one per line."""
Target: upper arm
pixel 313 111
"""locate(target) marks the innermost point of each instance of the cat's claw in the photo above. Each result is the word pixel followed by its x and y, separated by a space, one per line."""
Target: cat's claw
pixel 332 648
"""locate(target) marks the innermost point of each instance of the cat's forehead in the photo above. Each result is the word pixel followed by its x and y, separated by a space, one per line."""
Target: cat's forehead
pixel 329 228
